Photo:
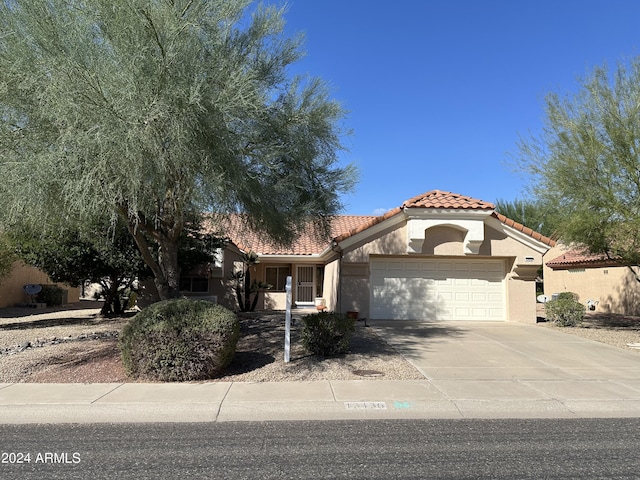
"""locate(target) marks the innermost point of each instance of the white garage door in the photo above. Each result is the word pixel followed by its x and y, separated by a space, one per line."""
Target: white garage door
pixel 437 289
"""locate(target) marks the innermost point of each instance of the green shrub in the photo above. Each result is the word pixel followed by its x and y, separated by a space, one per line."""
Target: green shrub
pixel 565 310
pixel 179 340
pixel 327 333
pixel 52 295
pixel 568 296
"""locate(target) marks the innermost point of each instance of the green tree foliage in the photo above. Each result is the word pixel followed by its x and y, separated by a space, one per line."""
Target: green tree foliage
pixel 586 163
pixel 159 110
pixel 105 254
pixel 110 259
pixel 7 256
pixel 532 214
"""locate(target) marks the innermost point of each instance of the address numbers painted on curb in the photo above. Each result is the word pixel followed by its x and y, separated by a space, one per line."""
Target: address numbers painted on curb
pixel 365 405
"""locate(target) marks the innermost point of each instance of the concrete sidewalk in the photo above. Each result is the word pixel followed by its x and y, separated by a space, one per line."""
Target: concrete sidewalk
pixel 486 370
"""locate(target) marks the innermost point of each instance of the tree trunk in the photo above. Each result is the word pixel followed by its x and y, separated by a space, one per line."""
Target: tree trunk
pixel 168 284
pixel 254 304
pixel 166 270
pixel 247 290
pixel 111 291
pixel 239 296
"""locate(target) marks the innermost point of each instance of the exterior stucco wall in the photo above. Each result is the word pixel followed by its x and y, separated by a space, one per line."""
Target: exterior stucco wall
pixel 521 301
pixel 614 288
pixel 273 301
pixel 354 295
pixel 498 244
pixel 444 241
pixel 11 287
pixel 392 241
pixel 331 283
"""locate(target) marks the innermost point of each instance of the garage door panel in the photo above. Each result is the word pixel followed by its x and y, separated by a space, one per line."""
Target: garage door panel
pixel 461 296
pixel 451 289
pixel 479 297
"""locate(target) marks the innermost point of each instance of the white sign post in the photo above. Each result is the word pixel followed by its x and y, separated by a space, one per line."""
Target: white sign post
pixel 287 322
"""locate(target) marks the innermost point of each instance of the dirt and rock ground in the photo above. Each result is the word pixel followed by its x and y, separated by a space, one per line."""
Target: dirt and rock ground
pixel 75 344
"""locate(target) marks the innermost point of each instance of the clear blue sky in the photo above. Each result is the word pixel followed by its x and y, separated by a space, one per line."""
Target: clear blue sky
pixel 438 91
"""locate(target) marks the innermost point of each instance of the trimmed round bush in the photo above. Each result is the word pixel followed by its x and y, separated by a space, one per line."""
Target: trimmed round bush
pixel 327 333
pixel 179 340
pixel 568 296
pixel 565 310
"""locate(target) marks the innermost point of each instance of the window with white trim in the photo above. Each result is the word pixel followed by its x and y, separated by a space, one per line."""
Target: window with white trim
pixel 277 277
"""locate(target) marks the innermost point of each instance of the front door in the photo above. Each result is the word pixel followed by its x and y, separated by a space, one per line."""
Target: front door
pixel 305 285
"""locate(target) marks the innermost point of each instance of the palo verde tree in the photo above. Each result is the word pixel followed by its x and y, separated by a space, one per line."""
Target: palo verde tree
pixel 158 110
pixel 7 256
pixel 586 163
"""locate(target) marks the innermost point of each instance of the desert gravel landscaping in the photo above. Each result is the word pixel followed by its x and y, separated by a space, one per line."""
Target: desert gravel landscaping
pixel 77 345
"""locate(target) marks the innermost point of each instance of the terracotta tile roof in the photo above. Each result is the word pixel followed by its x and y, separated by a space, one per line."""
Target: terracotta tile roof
pixel 345 226
pixel 446 200
pixel 431 199
pixel 438 199
pixel 307 244
pixel 367 224
pixel 581 257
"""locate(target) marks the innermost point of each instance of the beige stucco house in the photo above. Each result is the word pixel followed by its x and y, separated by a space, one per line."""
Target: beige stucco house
pixel 439 256
pixel 601 283
pixel 12 286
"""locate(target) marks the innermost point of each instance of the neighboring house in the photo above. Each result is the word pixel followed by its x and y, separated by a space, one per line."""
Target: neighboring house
pixel 601 283
pixel 12 286
pixel 439 256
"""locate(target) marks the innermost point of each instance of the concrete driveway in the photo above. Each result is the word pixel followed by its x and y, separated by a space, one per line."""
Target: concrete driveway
pixel 520 364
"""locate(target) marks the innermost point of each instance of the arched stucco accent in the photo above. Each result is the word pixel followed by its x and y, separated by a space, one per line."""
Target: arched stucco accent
pixel 444 239
pixel 470 222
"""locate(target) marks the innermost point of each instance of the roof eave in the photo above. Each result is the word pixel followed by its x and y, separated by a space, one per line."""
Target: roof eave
pixel 539 243
pixel 370 229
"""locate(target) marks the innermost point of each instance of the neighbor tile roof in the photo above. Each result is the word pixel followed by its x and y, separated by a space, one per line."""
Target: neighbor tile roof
pixel 345 226
pixel 581 257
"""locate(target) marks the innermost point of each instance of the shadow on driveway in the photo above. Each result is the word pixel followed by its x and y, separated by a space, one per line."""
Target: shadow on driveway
pixel 407 335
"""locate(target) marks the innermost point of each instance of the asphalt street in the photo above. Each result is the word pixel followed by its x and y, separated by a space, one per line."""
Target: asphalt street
pixel 398 449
